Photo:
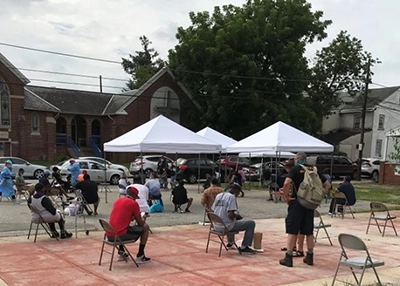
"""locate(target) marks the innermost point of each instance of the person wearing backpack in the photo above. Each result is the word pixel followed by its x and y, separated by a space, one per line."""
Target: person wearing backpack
pixel 300 219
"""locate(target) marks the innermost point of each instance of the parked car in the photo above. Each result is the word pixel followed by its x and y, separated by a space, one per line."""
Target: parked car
pixel 231 162
pixel 188 169
pixel 341 165
pixel 370 167
pixel 95 170
pixel 31 170
pixel 148 163
pixel 254 171
pixel 108 164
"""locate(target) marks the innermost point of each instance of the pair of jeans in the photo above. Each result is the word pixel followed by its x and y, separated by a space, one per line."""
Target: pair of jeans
pixel 248 227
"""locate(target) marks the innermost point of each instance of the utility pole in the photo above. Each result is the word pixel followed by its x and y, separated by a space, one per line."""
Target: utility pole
pixel 101 84
pixel 363 115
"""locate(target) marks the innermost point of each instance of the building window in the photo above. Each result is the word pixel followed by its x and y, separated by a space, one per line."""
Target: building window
pixel 357 121
pixel 378 148
pixel 381 125
pixel 35 122
pixel 5 103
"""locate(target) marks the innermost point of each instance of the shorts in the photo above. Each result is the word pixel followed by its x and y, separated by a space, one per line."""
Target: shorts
pixel 134 232
pixel 299 220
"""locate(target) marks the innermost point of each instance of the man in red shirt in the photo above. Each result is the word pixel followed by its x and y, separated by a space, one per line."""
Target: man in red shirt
pixel 124 211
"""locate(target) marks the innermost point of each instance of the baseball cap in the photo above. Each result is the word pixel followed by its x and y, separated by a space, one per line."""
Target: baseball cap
pixel 9 162
pixel 133 190
pixel 71 160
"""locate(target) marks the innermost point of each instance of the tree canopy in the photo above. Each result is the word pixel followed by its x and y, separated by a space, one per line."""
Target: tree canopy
pixel 246 66
pixel 143 65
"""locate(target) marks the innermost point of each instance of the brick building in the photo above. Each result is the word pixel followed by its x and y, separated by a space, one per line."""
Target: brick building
pixel 50 123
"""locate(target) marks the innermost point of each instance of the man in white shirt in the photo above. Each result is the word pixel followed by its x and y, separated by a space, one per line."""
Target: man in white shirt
pixel 143 197
pixel 225 207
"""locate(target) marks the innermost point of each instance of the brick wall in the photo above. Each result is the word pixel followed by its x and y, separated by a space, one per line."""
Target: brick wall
pixel 387 174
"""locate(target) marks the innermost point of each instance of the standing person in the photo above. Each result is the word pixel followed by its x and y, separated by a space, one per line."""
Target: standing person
pixel 209 194
pixel 47 211
pixel 154 188
pixel 125 210
pixel 162 168
pixel 75 170
pixel 299 220
pixel 347 189
pixel 6 182
pixel 180 197
pixel 225 207
pixel 90 192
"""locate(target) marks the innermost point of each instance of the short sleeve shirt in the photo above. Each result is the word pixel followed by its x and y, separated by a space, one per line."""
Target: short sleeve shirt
pixel 122 213
pixel 223 203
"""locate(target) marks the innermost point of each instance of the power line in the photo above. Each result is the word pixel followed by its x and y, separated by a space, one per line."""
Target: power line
pixel 60 54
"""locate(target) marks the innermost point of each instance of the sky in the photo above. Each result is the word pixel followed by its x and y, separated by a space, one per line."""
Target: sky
pixel 110 30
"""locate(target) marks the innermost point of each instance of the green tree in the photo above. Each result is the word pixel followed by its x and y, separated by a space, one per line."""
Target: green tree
pixel 143 65
pixel 341 66
pixel 245 66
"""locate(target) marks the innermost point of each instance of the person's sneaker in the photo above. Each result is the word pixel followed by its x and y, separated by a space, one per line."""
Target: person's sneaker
pixel 248 250
pixel 187 211
pixel 55 234
pixel 89 213
pixel 65 234
pixel 122 256
pixel 229 245
pixel 142 259
pixel 309 259
pixel 287 261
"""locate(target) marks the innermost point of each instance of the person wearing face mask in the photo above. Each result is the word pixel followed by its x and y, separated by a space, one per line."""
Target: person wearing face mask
pixel 6 182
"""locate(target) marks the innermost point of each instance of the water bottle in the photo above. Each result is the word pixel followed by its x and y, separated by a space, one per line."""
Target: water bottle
pixel 72 209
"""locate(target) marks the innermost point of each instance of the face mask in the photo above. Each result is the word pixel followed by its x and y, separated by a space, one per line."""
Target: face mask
pixel 300 162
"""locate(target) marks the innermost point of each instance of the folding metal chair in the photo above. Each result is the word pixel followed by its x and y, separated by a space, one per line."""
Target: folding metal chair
pixel 321 225
pixel 379 212
pixel 41 222
pixel 79 212
pixel 348 241
pixel 339 195
pixel 214 219
pixel 115 243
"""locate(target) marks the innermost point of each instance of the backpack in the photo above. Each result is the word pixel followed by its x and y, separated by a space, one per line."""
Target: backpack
pixel 311 191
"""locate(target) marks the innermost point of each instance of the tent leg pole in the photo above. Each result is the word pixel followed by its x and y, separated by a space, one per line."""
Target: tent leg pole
pixel 198 176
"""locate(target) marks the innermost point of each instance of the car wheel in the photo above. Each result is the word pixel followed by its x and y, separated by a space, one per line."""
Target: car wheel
pixel 354 175
pixel 192 178
pixel 114 179
pixel 375 176
pixel 148 172
pixel 38 174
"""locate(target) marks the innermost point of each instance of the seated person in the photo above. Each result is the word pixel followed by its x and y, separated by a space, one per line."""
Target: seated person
pixel 209 194
pixel 236 178
pixel 57 176
pixel 348 189
pixel 122 184
pixel 207 183
pixel 125 210
pixel 143 197
pixel 180 197
pixel 50 189
pixel 47 211
pixel 90 192
pixel 154 189
pixel 21 185
pixel 225 207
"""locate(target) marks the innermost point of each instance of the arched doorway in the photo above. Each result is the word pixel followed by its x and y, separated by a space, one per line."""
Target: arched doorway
pixel 96 135
pixel 78 131
pixel 61 131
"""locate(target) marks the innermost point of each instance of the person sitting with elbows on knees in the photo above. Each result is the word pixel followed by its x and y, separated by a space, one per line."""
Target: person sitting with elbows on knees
pixel 348 190
pixel 225 207
pixel 180 197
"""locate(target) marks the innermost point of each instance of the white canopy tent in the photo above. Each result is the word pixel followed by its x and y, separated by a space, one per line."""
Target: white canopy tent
pixel 280 137
pixel 162 135
pixel 217 137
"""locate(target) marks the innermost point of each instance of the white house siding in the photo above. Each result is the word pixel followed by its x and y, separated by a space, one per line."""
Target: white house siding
pixel 349 145
pixel 331 122
pixel 347 120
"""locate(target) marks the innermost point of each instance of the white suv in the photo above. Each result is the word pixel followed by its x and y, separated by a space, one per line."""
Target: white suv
pixel 148 163
pixel 370 167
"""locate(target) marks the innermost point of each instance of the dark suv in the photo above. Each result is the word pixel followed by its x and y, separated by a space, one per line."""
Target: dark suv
pixel 188 169
pixel 342 165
